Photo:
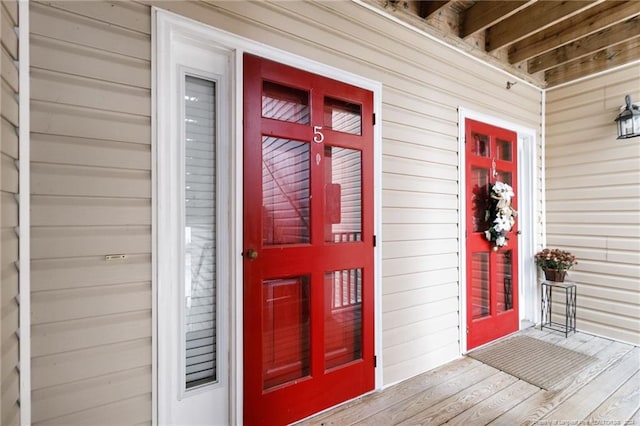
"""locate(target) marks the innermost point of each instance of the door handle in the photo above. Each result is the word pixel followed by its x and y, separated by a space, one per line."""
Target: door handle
pixel 252 254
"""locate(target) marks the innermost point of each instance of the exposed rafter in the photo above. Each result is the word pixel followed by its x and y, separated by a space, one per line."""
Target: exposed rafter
pixel 608 37
pixel 484 14
pixel 602 60
pixel 572 29
pixel 428 8
pixel 531 20
pixel 548 41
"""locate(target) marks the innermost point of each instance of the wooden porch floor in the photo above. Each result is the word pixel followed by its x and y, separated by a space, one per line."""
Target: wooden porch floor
pixel 468 392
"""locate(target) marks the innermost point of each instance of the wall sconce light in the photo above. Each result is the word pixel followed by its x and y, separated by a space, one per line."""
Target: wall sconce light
pixel 628 120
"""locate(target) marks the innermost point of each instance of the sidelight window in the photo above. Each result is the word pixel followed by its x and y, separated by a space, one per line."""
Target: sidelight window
pixel 200 232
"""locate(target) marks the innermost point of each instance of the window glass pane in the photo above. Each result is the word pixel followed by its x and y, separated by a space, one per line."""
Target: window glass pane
pixel 504 177
pixel 505 274
pixel 479 181
pixel 342 116
pixel 285 330
pixel 343 194
pixel 504 150
pixel 480 298
pixel 481 146
pixel 343 317
pixel 200 221
pixel 285 191
pixel 285 103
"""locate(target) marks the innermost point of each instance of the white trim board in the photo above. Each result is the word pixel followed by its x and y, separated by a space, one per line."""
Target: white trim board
pixel 527 290
pixel 154 223
pixel 200 33
pixel 24 161
pixel 543 173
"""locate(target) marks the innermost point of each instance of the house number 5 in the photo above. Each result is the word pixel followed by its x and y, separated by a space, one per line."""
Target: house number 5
pixel 318 136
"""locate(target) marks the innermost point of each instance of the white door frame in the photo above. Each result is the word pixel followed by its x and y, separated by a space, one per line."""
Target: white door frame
pixel 179 55
pixel 198 32
pixel 527 190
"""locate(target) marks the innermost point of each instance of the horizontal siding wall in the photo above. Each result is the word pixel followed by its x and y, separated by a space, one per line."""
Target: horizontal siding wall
pixel 91 187
pixel 593 200
pixel 9 344
pixel 424 83
pixel 91 197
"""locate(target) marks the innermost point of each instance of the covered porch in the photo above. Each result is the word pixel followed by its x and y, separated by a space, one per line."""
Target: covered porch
pixel 98 269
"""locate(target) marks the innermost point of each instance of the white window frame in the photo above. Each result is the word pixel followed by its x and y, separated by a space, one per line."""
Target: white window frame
pixel 222 257
pixel 171 65
pixel 527 240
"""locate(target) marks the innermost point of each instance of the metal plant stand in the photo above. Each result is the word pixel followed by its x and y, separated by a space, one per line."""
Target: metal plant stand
pixel 569 289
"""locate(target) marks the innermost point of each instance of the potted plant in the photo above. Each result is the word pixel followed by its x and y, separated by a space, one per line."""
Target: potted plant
pixel 555 263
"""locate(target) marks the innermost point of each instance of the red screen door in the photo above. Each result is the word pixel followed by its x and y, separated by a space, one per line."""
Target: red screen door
pixel 492 275
pixel 308 242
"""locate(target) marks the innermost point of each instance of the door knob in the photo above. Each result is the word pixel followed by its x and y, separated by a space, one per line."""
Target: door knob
pixel 252 254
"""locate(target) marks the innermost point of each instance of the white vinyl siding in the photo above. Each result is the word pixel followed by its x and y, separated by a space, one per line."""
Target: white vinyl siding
pixel 91 197
pixel 9 336
pixel 424 82
pixel 593 200
pixel 91 187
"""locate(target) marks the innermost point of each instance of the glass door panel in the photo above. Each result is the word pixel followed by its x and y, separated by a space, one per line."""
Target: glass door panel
pixel 285 103
pixel 285 191
pixel 343 317
pixel 341 116
pixel 479 182
pixel 504 281
pixel 505 177
pixel 504 151
pixel 480 295
pixel 343 189
pixel 481 145
pixel 286 330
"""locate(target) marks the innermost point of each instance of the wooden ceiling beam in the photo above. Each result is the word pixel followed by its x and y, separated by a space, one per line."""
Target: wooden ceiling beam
pixel 546 42
pixel 535 18
pixel 428 8
pixel 484 14
pixel 603 60
pixel 608 37
pixel 591 21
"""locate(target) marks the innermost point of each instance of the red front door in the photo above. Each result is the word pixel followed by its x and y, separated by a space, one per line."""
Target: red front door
pixel 308 242
pixel 492 272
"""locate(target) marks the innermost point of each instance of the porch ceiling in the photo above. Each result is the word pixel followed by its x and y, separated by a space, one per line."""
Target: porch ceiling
pixel 546 42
